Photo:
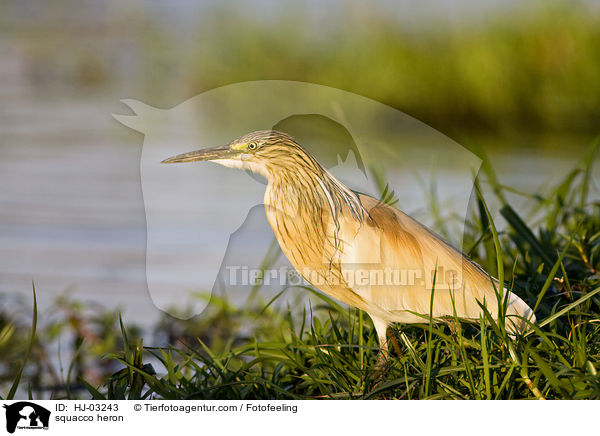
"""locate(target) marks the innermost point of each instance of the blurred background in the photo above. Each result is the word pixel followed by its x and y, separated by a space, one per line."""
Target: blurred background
pixel 519 80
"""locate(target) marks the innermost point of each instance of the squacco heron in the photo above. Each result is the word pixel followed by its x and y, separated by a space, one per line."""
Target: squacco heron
pixel 357 249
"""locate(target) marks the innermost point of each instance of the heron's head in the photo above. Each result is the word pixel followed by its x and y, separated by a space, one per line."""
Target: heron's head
pixel 265 152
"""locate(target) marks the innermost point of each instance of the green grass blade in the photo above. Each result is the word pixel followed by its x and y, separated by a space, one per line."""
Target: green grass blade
pixel 486 359
pixel 525 233
pixel 17 380
pixel 567 309
pixel 96 395
pixel 551 275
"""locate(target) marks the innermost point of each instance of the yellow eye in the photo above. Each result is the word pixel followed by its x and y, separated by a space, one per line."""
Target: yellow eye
pixel 252 146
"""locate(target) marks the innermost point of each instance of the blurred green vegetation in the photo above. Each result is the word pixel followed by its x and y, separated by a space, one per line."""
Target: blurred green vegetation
pixel 524 70
pixel 530 67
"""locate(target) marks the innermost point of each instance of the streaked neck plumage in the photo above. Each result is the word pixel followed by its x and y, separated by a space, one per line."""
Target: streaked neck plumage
pixel 311 189
pixel 302 202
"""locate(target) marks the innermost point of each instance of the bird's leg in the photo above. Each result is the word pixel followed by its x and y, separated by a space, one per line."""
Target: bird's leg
pixel 384 350
pixel 394 341
pixel 381 366
pixel 383 355
pixel 380 369
pixel 454 325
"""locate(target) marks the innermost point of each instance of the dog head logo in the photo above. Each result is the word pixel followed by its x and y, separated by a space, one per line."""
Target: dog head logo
pixel 26 415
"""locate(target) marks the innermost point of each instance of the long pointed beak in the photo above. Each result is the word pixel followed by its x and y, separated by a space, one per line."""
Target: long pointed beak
pixel 224 152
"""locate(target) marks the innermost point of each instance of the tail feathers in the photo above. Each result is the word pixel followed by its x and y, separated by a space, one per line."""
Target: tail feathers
pixel 519 316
